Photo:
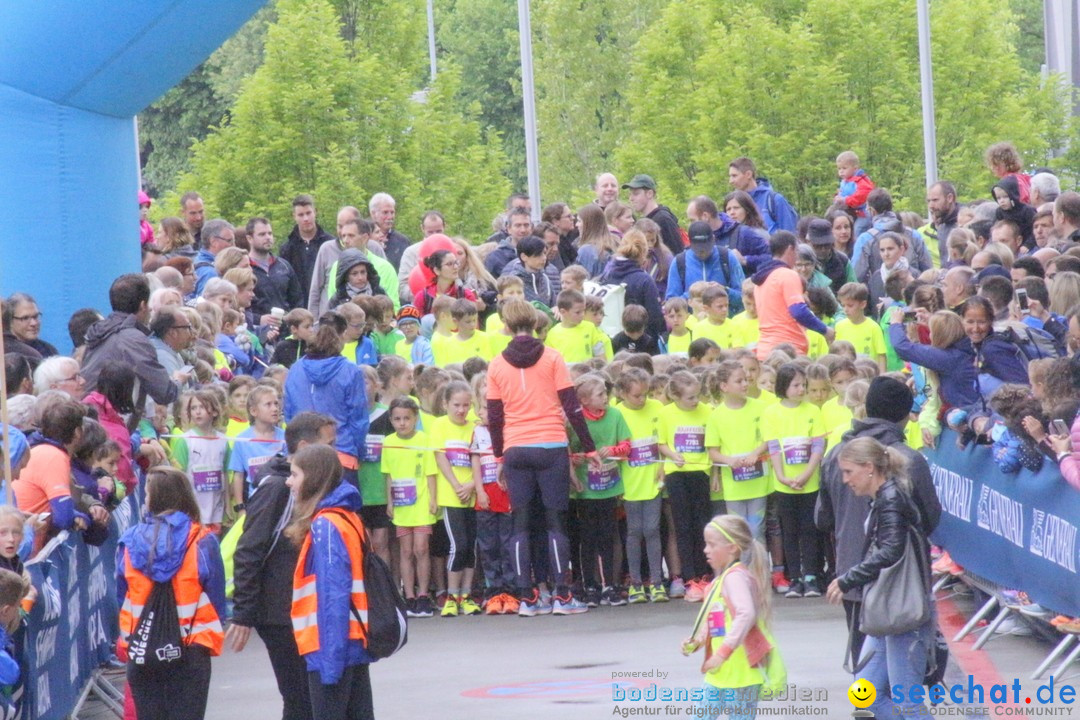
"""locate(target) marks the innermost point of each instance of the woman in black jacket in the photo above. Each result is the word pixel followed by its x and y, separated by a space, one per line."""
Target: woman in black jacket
pixel 873 470
pixel 627 267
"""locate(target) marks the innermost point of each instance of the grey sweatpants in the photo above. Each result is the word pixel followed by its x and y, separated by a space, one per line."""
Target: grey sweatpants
pixel 643 522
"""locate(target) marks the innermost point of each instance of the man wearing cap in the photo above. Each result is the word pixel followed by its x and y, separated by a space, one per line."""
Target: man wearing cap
pixel 780 301
pixel 703 260
pixel 834 264
pixel 643 199
pixel 842 513
pixel 750 247
pixel 415 347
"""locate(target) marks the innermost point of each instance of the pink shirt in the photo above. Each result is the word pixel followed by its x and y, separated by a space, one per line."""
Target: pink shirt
pixel 783 288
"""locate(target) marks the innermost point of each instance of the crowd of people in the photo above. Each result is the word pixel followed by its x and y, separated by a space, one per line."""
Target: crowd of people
pixel 471 414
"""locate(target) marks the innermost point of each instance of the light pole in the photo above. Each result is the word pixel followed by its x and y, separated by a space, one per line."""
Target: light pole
pixel 926 78
pixel 528 94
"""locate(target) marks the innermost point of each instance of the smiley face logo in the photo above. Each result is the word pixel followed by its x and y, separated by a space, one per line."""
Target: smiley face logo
pixel 862 693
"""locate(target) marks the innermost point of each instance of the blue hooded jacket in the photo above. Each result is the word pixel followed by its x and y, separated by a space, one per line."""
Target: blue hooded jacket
pixel 328 561
pixel 333 386
pixel 204 270
pixel 157 545
pixel 711 270
pixel 955 365
pixel 776 211
pixel 753 244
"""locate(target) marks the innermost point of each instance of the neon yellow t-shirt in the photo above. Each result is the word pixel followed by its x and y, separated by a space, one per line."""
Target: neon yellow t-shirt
pixel 794 430
pixel 692 321
pixel 913 436
pixel 745 329
pixel 837 419
pixel 409 463
pixel 498 342
pixel 602 336
pixel 816 346
pixel 576 344
pixel 640 468
pixel 458 350
pixel 766 398
pixel 680 344
pixel 684 432
pixel 725 335
pixel 454 441
pixel 235 427
pixel 494 324
pixel 737 432
pixel 441 348
pixel 866 337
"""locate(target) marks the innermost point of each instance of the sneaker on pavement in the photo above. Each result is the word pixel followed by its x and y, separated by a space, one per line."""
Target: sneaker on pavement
pixel 695 591
pixel 530 606
pixel 468 606
pixel 657 594
pixel 424 606
pixel 494 605
pixel 636 595
pixel 1013 625
pixel 450 607
pixel 510 604
pixel 612 596
pixel 1034 610
pixel 797 590
pixel 677 589
pixel 811 587
pixel 546 600
pixel 569 605
pixel 591 597
pixel 780 582
pixel 410 607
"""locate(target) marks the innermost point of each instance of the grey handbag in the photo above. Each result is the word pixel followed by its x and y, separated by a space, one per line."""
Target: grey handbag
pixel 898 601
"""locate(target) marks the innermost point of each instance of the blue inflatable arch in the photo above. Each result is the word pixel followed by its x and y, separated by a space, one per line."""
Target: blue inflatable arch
pixel 73 74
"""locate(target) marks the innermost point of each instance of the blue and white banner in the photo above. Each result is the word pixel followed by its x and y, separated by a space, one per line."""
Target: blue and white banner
pixel 1017 530
pixel 73 626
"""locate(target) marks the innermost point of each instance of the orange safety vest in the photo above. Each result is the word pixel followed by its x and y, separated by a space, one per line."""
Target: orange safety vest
pixel 199 621
pixel 305 599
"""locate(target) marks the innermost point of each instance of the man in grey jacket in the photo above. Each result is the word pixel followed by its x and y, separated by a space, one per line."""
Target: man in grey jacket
pixel 124 336
pixel 842 514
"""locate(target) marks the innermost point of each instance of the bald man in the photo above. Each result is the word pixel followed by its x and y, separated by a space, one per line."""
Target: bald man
pixel 606 189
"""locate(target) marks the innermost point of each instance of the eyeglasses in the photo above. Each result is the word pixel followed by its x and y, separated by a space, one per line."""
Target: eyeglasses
pixel 27 318
pixel 74 378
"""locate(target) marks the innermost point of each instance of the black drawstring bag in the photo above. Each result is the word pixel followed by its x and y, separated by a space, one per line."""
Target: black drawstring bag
pixel 155 646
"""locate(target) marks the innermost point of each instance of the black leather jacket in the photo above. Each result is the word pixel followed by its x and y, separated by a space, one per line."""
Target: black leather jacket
pixel 892 514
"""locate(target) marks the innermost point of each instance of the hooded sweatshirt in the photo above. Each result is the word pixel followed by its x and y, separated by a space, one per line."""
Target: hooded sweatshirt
pixel 640 290
pixel 844 513
pixel 538 285
pixel 776 211
pixel 333 386
pixel 157 545
pixel 117 430
pixel 344 293
pixel 328 561
pixel 752 244
pixel 529 394
pixel 122 338
pixel 1021 214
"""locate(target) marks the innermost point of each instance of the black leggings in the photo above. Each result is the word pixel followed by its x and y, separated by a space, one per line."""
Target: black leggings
pixel 290 670
pixel 597 523
pixel 532 471
pixel 691 510
pixel 802 539
pixel 460 524
pixel 179 695
pixel 347 699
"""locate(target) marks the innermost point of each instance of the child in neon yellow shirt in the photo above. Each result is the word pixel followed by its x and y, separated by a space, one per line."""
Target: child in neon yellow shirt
pixel 594 313
pixel 677 313
pixel 574 338
pixel 467 342
pixel 715 326
pixel 857 329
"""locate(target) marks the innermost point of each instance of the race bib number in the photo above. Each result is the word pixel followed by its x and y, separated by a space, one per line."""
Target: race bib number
pixel 457 452
pixel 489 469
pixel 403 492
pixel 206 481
pixel 256 462
pixel 751 472
pixel 796 450
pixel 643 452
pixel 604 479
pixel 717 624
pixel 690 439
pixel 373 448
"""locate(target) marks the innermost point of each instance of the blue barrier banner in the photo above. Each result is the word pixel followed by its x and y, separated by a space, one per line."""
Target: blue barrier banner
pixel 74 623
pixel 1017 530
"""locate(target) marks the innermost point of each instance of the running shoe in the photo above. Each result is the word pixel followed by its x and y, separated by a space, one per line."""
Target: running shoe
pixel 510 604
pixel 657 594
pixel 468 606
pixel 613 597
pixel 546 605
pixel 450 607
pixel 424 607
pixel 530 607
pixel 1013 625
pixel 636 595
pixel 695 590
pixel 494 605
pixel 568 606
pixel 812 587
pixel 677 589
pixel 797 590
pixel 591 597
pixel 440 598
pixel 780 582
pixel 945 565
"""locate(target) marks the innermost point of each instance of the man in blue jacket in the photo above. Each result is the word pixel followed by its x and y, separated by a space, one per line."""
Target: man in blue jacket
pixel 749 245
pixel 704 260
pixel 775 210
